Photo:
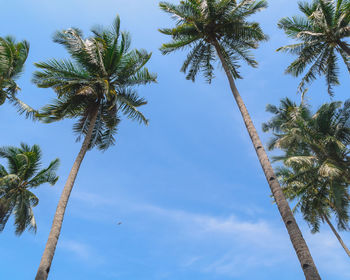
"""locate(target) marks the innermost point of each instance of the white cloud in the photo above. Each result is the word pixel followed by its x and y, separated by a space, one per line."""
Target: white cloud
pixel 234 265
pixel 257 232
pixel 84 252
pixel 240 245
pixel 329 255
pixel 92 199
pixel 250 245
pixel 191 260
pixel 79 249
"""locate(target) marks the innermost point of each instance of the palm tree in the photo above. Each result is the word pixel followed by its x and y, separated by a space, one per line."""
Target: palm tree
pixel 220 27
pixel 12 58
pixel 95 86
pixel 23 174
pixel 322 32
pixel 316 169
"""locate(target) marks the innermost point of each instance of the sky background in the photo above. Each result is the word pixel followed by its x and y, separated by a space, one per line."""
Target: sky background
pixel 188 189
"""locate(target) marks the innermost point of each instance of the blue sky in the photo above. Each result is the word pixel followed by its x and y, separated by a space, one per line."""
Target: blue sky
pixel 188 188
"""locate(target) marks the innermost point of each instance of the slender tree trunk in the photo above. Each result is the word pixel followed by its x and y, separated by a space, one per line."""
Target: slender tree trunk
pixel 337 235
pixel 50 247
pixel 344 46
pixel 299 244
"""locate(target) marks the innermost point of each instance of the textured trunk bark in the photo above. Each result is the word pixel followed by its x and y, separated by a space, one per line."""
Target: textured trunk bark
pixel 50 247
pixel 344 47
pixel 337 235
pixel 299 244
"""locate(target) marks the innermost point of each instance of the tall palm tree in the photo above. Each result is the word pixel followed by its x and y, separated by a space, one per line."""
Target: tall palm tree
pixel 220 27
pixel 23 174
pixel 316 169
pixel 322 32
pixel 13 55
pixel 94 87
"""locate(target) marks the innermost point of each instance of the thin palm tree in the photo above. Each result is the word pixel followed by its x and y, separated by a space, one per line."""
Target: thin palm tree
pixel 316 171
pixel 13 56
pixel 24 173
pixel 94 87
pixel 322 33
pixel 219 29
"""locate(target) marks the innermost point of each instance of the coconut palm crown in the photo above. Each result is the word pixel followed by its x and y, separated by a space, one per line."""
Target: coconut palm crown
pixel 13 56
pixel 323 136
pixel 316 158
pixel 202 25
pixel 16 182
pixel 101 76
pixel 322 32
pixel 316 162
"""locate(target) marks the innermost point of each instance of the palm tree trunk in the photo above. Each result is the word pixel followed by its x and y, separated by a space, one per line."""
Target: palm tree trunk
pixel 337 235
pixel 299 244
pixel 50 247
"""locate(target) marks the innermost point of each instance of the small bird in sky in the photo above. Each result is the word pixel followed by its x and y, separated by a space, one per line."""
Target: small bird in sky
pixel 119 223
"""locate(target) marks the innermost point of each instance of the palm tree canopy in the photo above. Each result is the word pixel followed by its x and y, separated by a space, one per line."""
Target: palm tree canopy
pixel 326 132
pixel 101 75
pixel 13 56
pixel 202 24
pixel 322 31
pixel 316 159
pixel 316 196
pixel 23 173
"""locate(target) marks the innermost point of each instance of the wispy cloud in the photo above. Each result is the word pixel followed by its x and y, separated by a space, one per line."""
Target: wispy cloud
pixel 250 244
pixel 329 255
pixel 229 227
pixel 93 199
pixel 240 245
pixel 79 249
pixel 255 244
pixel 82 251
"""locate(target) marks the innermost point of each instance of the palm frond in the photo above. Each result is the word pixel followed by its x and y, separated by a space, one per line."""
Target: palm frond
pixel 128 103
